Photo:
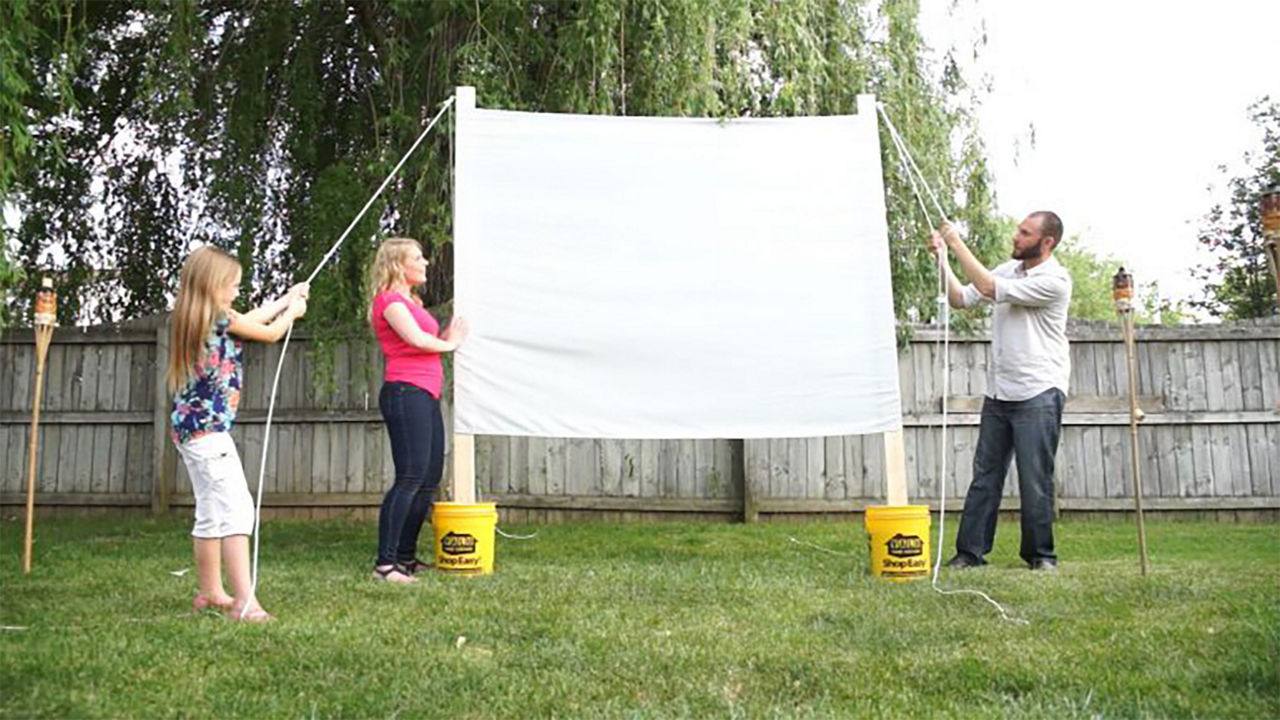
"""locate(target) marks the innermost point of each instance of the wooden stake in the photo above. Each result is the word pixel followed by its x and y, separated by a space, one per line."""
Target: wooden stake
pixel 44 335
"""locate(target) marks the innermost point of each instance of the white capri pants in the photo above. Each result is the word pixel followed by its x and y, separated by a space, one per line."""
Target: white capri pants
pixel 223 504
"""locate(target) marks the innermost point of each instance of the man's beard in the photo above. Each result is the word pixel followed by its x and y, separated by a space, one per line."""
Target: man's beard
pixel 1030 252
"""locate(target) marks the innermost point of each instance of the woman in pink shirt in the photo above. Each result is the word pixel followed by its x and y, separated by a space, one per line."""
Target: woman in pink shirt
pixel 410 401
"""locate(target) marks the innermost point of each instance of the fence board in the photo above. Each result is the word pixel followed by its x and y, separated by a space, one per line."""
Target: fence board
pixel 499 462
pixel 321 435
pixel 582 467
pixel 706 483
pixel 1091 448
pixel 836 481
pixel 873 476
pixel 137 475
pixel 1071 472
pixel 610 455
pixel 9 362
pixel 517 480
pixel 1178 396
pixel 100 459
pixel 13 478
pixel 1220 446
pixel 537 465
pixel 1232 376
pixel 1184 452
pixel 1273 453
pixel 1241 482
pixel 23 381
pixel 50 458
pixel 377 444
pixel 757 466
pixel 1197 383
pixel 1269 371
pixel 1202 460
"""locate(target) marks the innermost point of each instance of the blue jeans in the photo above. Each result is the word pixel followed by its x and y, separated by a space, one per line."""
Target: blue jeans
pixel 1029 430
pixel 417 449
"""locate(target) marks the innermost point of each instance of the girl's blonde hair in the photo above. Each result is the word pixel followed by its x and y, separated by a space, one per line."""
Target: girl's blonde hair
pixel 206 271
pixel 388 267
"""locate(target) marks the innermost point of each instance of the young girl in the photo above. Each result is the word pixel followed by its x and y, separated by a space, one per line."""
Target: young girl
pixel 205 370
pixel 411 343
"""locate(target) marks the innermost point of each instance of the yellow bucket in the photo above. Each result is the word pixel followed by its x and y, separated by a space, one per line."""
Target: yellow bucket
pixel 464 537
pixel 899 538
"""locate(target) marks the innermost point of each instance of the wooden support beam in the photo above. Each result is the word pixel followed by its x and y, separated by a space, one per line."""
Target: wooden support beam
pixel 464 468
pixel 464 445
pixel 895 468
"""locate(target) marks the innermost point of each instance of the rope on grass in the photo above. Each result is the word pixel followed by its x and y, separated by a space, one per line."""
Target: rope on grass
pixel 828 551
pixel 909 166
pixel 275 382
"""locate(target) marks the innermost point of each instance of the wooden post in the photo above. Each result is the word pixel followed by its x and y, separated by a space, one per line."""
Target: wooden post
pixel 43 336
pixel 464 468
pixel 1135 416
pixel 464 446
pixel 738 460
pixel 895 469
pixel 162 448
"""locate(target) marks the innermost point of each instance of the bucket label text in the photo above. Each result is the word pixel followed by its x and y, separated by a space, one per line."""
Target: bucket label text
pixel 903 546
pixel 458 544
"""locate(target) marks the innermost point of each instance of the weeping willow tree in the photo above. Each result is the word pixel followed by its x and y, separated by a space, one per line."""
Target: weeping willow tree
pixel 135 130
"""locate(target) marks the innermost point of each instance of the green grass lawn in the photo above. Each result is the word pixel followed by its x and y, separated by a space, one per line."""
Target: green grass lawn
pixel 644 621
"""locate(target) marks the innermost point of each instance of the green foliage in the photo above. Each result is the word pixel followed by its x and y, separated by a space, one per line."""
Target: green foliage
pixel 10 278
pixel 1238 282
pixel 671 620
pixel 1091 294
pixel 263 127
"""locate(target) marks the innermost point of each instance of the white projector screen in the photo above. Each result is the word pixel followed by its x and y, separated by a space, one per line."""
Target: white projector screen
pixel 670 277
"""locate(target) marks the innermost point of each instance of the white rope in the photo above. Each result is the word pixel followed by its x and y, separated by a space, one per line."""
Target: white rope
pixel 284 348
pixel 515 537
pixel 806 543
pixel 909 165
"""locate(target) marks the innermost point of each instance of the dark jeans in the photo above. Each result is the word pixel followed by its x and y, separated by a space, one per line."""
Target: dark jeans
pixel 1028 429
pixel 417 449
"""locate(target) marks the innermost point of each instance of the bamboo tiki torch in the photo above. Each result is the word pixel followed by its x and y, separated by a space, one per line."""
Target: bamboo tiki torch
pixel 1122 290
pixel 46 317
pixel 1269 207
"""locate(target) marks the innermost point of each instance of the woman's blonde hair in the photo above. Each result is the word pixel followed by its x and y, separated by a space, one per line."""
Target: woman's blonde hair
pixel 388 267
pixel 206 271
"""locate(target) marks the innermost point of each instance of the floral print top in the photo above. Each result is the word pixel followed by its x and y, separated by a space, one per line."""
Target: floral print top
pixel 209 401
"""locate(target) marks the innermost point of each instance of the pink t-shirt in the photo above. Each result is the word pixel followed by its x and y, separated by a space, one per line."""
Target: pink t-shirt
pixel 404 362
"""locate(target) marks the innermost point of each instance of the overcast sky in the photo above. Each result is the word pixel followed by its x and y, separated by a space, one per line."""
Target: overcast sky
pixel 1134 106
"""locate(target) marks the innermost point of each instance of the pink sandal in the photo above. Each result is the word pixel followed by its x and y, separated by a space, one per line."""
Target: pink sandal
pixel 202 602
pixel 393 574
pixel 255 615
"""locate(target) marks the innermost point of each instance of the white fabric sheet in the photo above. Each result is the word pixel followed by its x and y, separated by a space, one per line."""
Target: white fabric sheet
pixel 672 278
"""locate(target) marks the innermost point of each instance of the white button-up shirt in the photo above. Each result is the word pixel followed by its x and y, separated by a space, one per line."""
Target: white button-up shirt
pixel 1029 352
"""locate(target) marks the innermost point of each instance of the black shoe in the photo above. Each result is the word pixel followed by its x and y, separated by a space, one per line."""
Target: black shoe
pixel 961 561
pixel 1044 565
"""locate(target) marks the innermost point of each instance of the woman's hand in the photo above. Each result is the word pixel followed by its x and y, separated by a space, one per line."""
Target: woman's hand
pixel 297 306
pixel 456 332
pixel 302 290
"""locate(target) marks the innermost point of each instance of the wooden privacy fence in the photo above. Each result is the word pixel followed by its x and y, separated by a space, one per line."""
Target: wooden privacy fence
pixel 1211 439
